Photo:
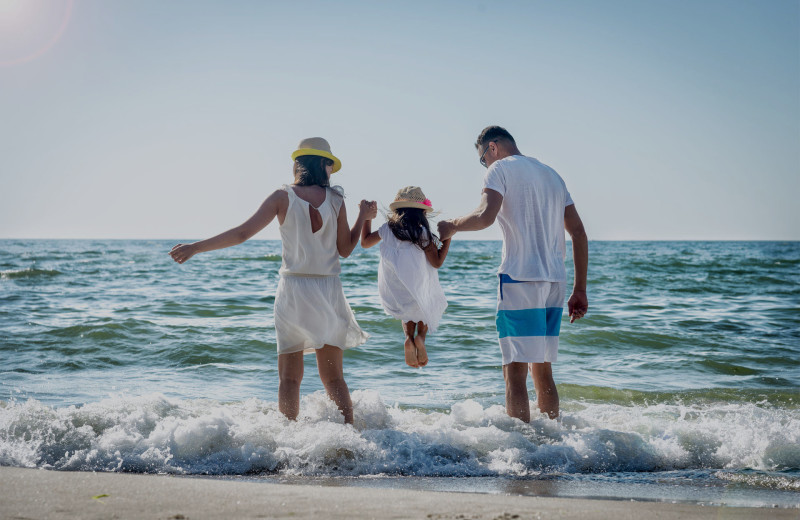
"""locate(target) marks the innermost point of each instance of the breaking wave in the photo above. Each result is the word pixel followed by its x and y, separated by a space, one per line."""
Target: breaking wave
pixel 156 434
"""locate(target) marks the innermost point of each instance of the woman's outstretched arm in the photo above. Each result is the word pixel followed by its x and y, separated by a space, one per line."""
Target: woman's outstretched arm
pixel 270 208
pixel 346 238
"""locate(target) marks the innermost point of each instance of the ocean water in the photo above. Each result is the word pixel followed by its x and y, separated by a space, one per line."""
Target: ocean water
pixel 682 383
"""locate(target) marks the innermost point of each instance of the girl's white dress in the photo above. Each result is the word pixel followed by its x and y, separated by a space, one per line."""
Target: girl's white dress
pixel 310 307
pixel 407 284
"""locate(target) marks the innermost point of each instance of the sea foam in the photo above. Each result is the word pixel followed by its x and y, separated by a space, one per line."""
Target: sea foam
pixel 156 434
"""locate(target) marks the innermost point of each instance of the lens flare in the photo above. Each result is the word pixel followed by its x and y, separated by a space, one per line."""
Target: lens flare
pixel 30 28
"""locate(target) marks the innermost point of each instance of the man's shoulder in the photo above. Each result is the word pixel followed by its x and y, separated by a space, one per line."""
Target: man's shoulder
pixel 521 166
pixel 533 162
pixel 521 163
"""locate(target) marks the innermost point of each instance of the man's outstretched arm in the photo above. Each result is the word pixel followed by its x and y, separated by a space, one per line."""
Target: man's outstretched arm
pixel 578 303
pixel 483 216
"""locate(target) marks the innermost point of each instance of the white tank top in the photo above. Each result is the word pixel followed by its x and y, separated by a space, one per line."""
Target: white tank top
pixel 306 253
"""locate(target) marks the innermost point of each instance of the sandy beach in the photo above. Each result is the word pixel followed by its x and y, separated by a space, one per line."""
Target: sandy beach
pixel 35 493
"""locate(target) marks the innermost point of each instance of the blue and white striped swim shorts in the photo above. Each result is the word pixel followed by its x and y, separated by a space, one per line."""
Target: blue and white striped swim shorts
pixel 529 319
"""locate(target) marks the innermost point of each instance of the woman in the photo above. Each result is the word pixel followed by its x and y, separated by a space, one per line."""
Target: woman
pixel 311 311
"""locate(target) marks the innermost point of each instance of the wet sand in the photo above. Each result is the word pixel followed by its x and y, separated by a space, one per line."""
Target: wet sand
pixel 35 493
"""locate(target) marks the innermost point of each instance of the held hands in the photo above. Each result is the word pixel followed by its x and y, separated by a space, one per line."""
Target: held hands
pixel 446 229
pixel 182 252
pixel 368 209
pixel 578 304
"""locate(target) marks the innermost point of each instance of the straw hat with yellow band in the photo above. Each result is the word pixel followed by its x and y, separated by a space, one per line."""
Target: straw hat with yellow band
pixel 317 146
pixel 411 197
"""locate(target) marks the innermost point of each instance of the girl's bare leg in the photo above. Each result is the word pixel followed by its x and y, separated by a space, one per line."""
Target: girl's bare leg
pixel 419 342
pixel 290 374
pixel 409 346
pixel 329 363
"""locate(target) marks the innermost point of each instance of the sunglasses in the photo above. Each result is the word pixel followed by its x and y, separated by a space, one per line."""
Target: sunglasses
pixel 483 159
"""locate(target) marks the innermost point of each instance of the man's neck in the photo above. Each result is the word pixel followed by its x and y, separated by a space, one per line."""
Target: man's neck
pixel 508 151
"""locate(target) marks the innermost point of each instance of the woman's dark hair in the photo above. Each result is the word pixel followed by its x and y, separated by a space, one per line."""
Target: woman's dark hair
pixel 408 224
pixel 309 170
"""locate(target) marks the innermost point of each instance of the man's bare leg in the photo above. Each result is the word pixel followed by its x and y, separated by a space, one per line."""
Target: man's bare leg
pixel 546 392
pixel 516 376
pixel 409 346
pixel 419 342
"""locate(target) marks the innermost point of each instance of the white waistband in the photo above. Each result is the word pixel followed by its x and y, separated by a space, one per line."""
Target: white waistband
pixel 304 275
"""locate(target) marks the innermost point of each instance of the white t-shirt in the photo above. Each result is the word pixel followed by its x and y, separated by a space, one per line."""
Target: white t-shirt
pixel 531 218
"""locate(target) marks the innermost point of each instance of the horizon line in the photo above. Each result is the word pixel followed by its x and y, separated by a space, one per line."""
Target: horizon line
pixel 454 239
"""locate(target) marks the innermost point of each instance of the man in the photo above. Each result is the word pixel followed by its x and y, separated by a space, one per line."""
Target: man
pixel 534 208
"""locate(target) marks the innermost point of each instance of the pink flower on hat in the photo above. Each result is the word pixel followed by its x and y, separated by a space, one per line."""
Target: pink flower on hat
pixel 428 203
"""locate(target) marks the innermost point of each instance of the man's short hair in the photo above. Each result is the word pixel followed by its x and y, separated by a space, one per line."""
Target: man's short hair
pixel 493 133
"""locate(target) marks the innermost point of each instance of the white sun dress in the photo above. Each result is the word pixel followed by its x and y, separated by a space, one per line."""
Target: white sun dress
pixel 407 284
pixel 310 307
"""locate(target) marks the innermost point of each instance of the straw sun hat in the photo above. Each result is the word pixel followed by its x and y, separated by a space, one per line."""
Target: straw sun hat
pixel 317 146
pixel 411 197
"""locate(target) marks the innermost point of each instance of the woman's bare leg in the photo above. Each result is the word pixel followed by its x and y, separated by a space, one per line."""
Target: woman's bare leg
pixel 409 346
pixel 546 392
pixel 329 363
pixel 419 342
pixel 290 374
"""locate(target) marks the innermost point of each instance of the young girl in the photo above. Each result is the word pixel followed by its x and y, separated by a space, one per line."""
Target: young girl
pixel 408 281
pixel 311 312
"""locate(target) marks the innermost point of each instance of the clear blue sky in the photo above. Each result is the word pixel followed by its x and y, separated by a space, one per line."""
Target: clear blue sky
pixel 153 119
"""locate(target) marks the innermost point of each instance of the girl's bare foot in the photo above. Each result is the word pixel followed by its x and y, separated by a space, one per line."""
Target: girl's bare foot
pixel 410 328
pixel 411 352
pixel 419 341
pixel 422 354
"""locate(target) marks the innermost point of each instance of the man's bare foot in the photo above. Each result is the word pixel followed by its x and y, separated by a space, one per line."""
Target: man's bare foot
pixel 411 353
pixel 422 354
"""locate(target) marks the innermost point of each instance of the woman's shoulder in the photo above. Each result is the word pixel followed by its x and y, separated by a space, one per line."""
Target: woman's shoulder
pixel 282 193
pixel 336 191
pixel 335 197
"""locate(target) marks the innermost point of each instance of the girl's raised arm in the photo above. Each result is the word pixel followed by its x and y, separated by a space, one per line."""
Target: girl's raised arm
pixel 368 237
pixel 276 204
pixel 435 256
